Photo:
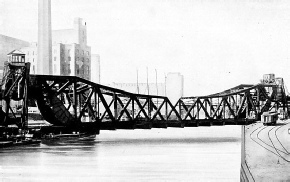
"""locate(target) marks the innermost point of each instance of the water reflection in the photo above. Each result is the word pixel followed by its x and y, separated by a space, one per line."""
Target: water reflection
pixel 205 154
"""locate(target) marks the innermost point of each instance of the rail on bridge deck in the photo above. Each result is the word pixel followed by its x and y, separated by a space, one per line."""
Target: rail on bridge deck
pixel 70 100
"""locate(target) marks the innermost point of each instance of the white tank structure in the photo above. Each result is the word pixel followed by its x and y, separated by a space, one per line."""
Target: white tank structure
pixel 174 86
pixel 95 68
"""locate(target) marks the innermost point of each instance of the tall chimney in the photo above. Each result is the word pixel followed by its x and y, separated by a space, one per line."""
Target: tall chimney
pixel 44 64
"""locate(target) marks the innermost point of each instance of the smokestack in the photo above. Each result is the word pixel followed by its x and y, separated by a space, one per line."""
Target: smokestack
pixel 44 66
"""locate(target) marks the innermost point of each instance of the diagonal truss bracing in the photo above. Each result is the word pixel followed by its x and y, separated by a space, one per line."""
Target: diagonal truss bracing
pixel 68 100
pixel 240 104
pixel 80 100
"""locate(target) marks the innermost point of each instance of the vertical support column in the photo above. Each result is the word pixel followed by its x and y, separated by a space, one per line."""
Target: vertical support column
pixel 179 106
pixel 133 109
pixel 115 107
pixel 258 101
pixel 210 106
pixel 236 105
pixel 247 105
pixel 24 114
pixel 25 97
pixel 224 108
pixel 218 110
pixel 7 105
pixel 149 108
pixel 166 109
pixel 193 113
pixel 197 110
pixel 205 106
pixel 75 100
pixel 96 104
pixel 79 108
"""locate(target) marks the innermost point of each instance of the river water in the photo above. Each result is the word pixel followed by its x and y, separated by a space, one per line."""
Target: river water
pixel 173 154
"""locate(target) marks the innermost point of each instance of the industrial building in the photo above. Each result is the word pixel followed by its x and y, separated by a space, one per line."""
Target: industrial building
pixel 71 56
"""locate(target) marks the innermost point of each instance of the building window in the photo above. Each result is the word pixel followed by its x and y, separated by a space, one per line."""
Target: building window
pixel 33 69
pixel 54 58
pixel 69 58
pixel 54 68
pixel 68 51
pixel 69 69
pixel 83 52
pixel 88 60
pixel 33 60
pixel 88 53
pixel 32 52
pixel 78 71
pixel 88 69
pixel 77 51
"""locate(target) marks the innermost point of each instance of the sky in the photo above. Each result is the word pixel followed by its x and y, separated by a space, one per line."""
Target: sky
pixel 215 44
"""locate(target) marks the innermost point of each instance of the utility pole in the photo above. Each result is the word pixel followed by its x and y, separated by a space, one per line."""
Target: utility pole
pixel 147 81
pixel 165 85
pixel 156 85
pixel 137 83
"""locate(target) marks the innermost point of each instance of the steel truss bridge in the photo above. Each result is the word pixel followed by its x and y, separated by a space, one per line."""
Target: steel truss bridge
pixel 67 100
pixel 71 101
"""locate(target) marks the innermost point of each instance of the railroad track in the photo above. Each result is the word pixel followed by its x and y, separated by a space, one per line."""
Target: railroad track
pixel 280 152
